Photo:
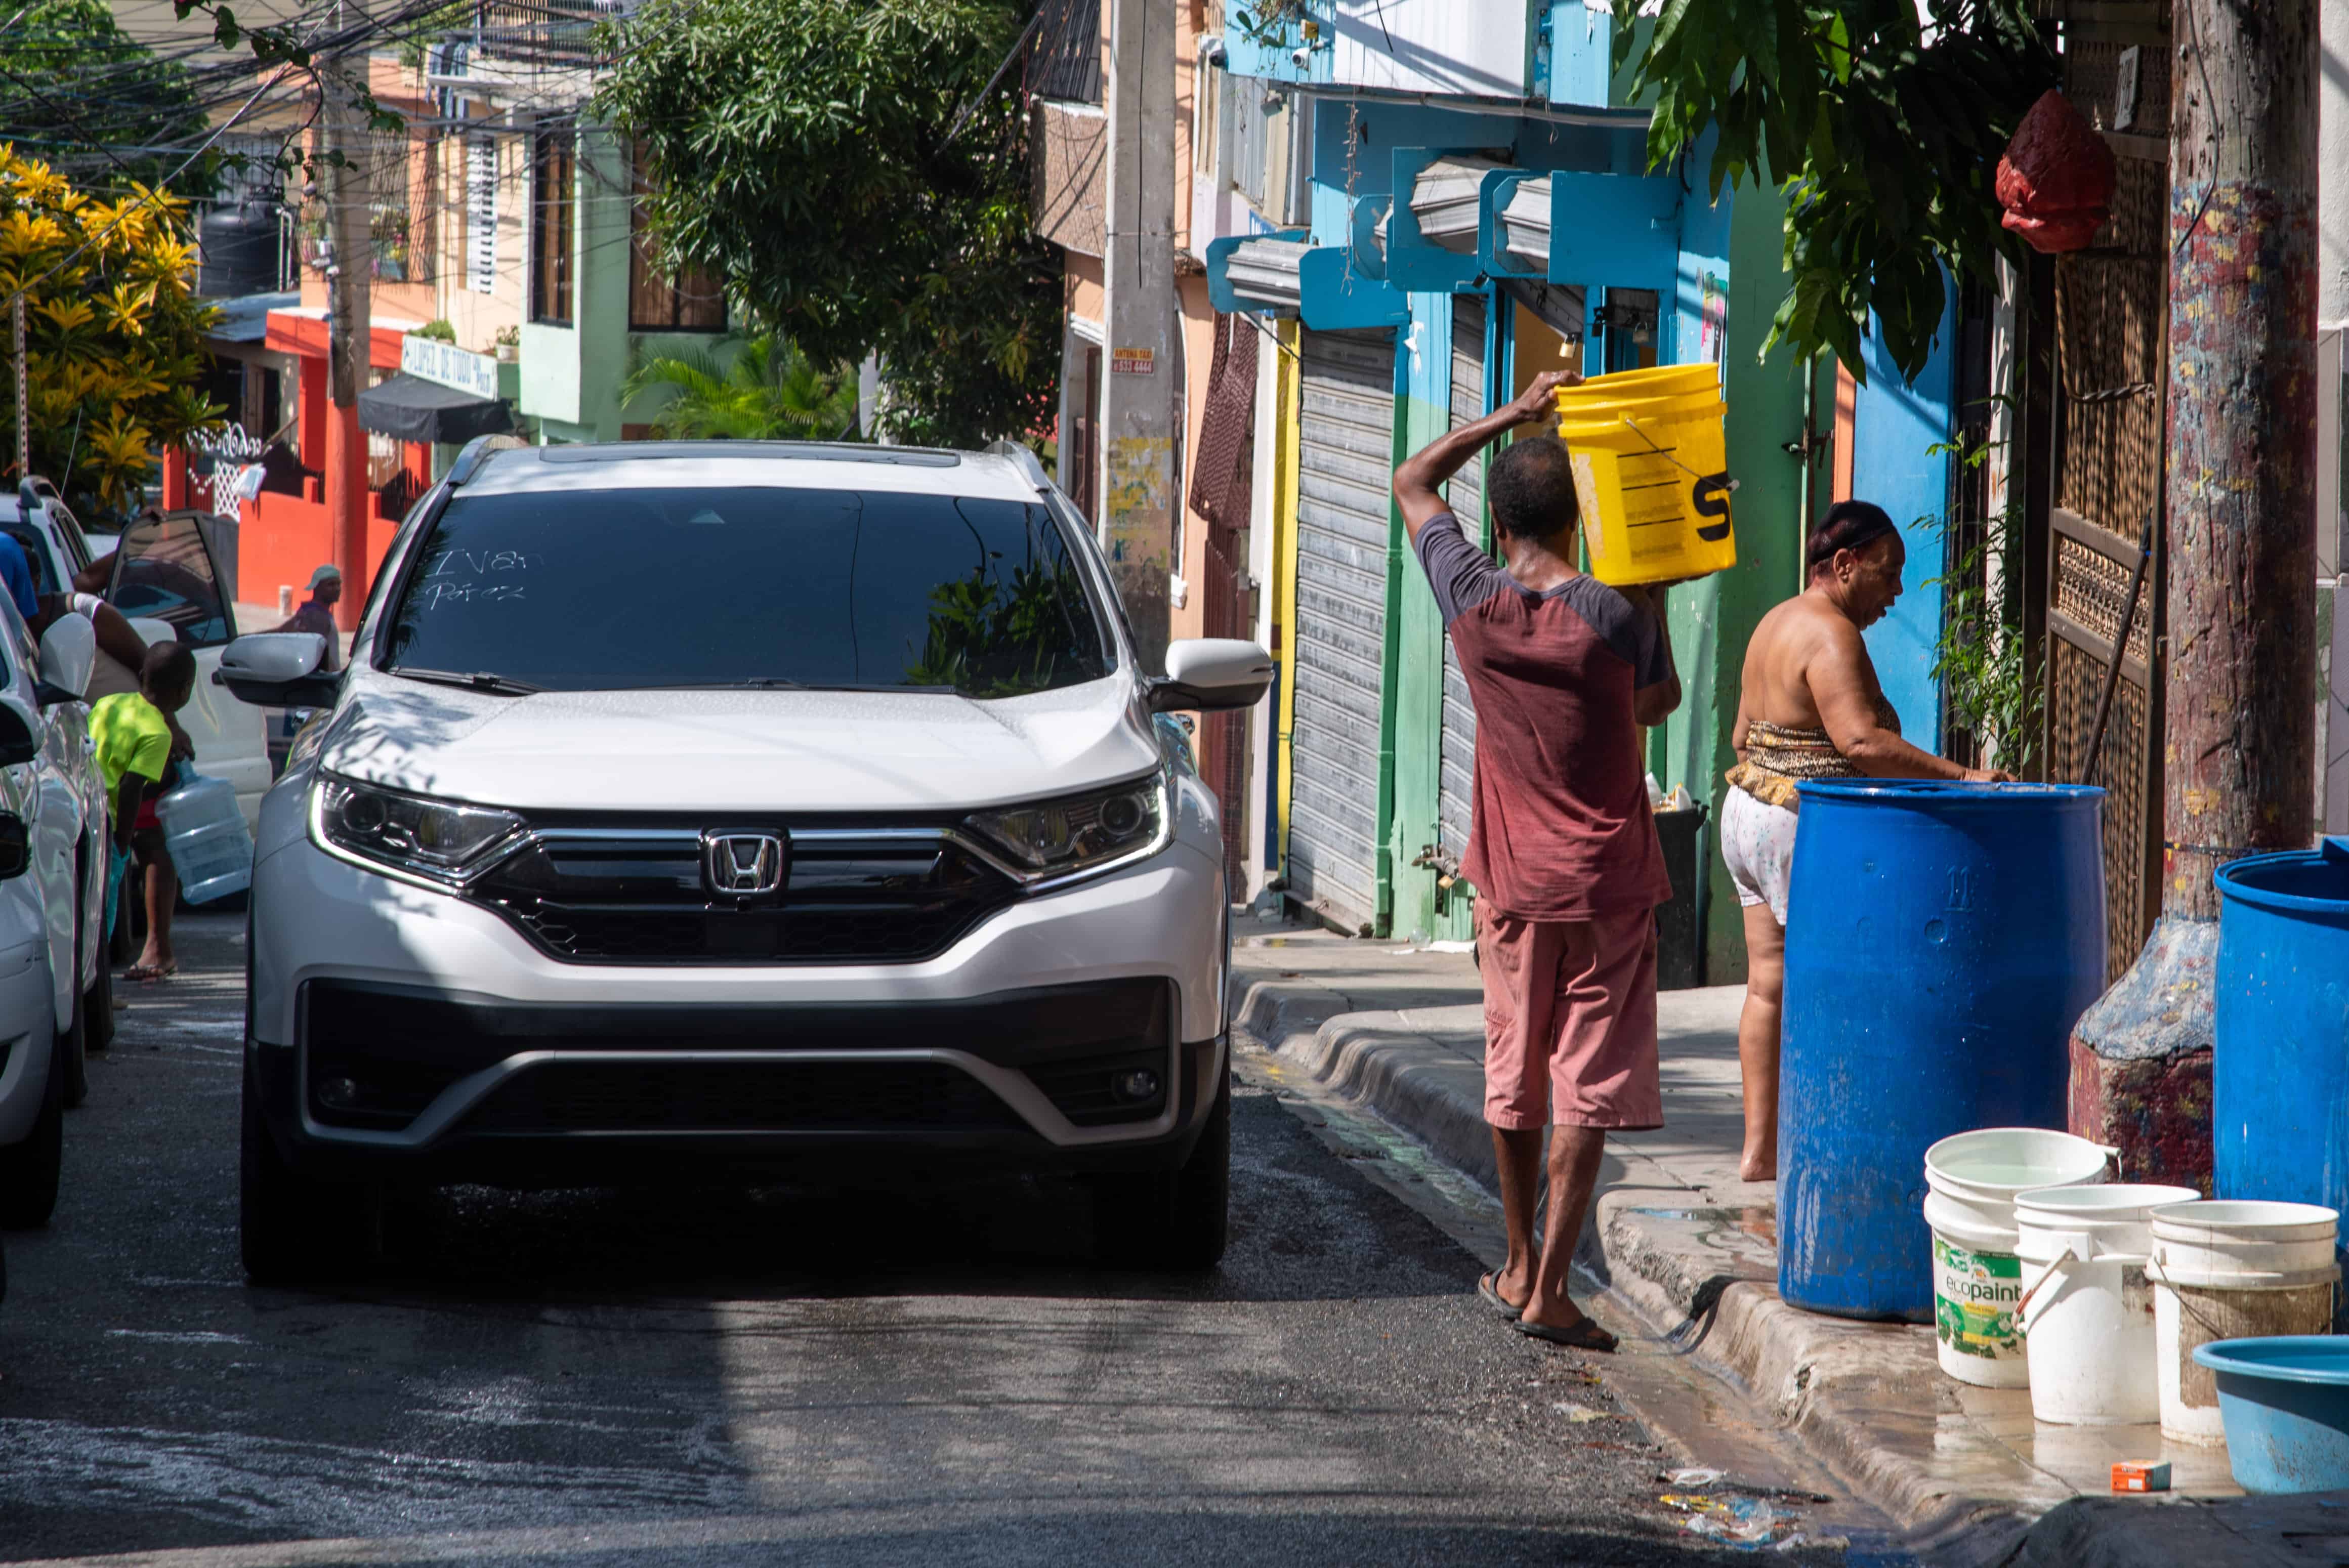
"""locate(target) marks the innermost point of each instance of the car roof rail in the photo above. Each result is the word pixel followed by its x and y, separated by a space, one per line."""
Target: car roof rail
pixel 1023 458
pixel 477 452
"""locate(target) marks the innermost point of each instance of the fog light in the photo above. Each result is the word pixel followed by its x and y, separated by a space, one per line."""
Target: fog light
pixel 341 1093
pixel 1139 1085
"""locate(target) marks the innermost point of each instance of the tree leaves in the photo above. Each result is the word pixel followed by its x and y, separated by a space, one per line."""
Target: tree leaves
pixel 799 150
pixel 1883 131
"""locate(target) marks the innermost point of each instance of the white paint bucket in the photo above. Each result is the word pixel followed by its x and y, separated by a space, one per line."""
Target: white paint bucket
pixel 2233 1270
pixel 2087 1310
pixel 1971 1180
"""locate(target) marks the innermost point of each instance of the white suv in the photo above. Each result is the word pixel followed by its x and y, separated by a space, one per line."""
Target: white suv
pixel 739 805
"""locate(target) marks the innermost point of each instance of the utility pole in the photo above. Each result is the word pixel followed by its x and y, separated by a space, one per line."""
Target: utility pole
pixel 2240 477
pixel 344 178
pixel 1139 418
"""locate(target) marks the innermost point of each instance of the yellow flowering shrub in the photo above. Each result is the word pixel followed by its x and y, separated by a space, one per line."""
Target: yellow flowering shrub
pixel 113 349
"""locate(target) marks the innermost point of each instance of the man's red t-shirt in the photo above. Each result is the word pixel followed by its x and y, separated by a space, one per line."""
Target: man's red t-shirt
pixel 1562 830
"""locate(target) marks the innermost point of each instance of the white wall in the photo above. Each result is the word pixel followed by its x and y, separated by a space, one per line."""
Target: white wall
pixel 1437 46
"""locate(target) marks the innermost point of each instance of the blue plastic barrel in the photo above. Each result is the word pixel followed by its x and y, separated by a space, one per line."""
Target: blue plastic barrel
pixel 2280 1056
pixel 1941 941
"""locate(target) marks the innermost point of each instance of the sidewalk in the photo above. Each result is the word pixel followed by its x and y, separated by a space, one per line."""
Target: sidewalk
pixel 1694 1250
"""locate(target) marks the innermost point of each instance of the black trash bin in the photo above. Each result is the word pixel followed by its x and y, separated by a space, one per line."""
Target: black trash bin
pixel 1680 938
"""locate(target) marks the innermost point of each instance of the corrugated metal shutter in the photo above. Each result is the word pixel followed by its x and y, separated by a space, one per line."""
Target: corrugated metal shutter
pixel 1456 786
pixel 1346 454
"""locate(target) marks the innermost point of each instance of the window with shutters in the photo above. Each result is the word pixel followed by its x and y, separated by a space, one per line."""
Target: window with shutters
pixel 554 169
pixel 482 213
pixel 691 300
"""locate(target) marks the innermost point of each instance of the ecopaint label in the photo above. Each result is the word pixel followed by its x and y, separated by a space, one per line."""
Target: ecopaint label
pixel 1973 1301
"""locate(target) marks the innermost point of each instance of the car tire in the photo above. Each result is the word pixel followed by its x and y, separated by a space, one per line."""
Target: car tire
pixel 122 941
pixel 291 1229
pixel 72 1053
pixel 1176 1220
pixel 97 1010
pixel 29 1169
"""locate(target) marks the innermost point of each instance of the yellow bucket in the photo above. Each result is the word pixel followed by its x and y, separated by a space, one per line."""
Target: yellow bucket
pixel 1650 473
pixel 1659 381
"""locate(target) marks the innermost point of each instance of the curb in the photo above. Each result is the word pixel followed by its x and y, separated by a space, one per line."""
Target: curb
pixel 1835 1386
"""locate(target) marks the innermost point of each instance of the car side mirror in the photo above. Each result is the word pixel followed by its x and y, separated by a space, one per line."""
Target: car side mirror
pixel 68 654
pixel 15 846
pixel 20 732
pixel 278 669
pixel 1210 673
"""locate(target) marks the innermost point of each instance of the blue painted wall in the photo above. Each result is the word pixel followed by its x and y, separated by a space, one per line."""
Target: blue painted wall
pixel 1893 427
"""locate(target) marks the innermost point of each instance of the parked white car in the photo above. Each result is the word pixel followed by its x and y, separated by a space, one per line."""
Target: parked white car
pixel 55 987
pixel 732 805
pixel 168 584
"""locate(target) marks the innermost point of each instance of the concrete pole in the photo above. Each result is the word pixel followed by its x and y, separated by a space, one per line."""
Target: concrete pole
pixel 2331 337
pixel 2240 474
pixel 346 183
pixel 1140 418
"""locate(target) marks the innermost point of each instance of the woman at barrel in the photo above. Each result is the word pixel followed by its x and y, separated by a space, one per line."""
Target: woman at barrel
pixel 1809 707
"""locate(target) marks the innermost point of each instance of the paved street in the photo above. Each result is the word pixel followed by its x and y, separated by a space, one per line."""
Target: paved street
pixel 723 1377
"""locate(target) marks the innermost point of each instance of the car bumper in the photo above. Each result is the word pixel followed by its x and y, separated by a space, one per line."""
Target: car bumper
pixel 404 1032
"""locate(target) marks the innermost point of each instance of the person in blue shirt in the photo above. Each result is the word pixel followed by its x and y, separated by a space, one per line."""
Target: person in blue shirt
pixel 17 573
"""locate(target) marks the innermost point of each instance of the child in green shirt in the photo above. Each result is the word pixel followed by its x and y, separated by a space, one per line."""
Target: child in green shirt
pixel 137 744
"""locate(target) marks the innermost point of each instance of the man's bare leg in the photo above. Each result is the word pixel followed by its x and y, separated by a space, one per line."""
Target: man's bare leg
pixel 1757 1041
pixel 1574 1156
pixel 1517 1157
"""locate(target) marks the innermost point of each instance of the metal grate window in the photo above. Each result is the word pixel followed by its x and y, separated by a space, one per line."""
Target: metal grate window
pixel 1066 63
pixel 482 213
pixel 553 178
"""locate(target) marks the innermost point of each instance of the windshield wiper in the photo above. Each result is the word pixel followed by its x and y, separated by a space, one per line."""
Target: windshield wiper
pixel 784 683
pixel 496 686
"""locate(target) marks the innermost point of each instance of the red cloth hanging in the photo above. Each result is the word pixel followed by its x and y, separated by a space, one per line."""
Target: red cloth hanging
pixel 2056 178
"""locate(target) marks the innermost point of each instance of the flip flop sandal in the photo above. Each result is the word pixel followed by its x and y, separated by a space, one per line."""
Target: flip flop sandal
pixel 149 974
pixel 1584 1333
pixel 1488 1287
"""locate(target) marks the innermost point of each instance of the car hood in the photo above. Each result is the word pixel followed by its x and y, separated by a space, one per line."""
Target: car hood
pixel 737 750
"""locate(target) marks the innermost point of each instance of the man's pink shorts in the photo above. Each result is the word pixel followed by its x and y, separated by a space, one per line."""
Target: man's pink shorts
pixel 1570 1020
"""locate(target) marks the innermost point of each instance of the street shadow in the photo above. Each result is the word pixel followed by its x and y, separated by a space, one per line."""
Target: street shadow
pixel 1304 1227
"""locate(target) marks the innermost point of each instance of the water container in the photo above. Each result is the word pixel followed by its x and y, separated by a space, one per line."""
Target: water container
pixel 1971 1184
pixel 205 834
pixel 2233 1270
pixel 1941 940
pixel 1650 473
pixel 2280 1060
pixel 2086 1311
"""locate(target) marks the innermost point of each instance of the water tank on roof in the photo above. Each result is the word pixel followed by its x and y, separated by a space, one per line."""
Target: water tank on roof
pixel 239 252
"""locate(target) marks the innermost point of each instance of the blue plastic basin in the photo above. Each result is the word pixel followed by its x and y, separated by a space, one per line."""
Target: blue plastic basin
pixel 2285 1401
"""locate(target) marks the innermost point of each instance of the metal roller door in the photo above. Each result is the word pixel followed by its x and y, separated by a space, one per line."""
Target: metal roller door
pixel 1345 466
pixel 1456 786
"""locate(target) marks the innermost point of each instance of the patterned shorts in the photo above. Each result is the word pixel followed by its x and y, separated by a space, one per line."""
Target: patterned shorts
pixel 1757 842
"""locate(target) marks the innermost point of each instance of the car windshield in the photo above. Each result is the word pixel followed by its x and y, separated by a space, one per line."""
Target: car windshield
pixel 624 589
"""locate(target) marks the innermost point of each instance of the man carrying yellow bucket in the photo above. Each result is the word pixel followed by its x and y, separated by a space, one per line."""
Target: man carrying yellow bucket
pixel 1562 850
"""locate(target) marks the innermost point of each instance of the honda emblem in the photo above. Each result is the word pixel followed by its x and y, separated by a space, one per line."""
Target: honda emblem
pixel 742 865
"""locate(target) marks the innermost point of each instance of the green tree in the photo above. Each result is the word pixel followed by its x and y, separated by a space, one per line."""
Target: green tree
pixel 767 391
pixel 806 152
pixel 1885 128
pixel 74 88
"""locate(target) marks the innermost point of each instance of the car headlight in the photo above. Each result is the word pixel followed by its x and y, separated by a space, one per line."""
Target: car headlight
pixel 1053 839
pixel 438 839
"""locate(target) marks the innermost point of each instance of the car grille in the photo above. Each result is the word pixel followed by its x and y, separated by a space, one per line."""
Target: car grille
pixel 637 896
pixel 741 1096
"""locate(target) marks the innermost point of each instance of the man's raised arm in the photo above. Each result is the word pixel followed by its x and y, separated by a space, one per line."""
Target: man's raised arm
pixel 1417 483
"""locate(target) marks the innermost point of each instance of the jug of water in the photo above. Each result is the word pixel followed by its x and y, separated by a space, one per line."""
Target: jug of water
pixel 206 833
